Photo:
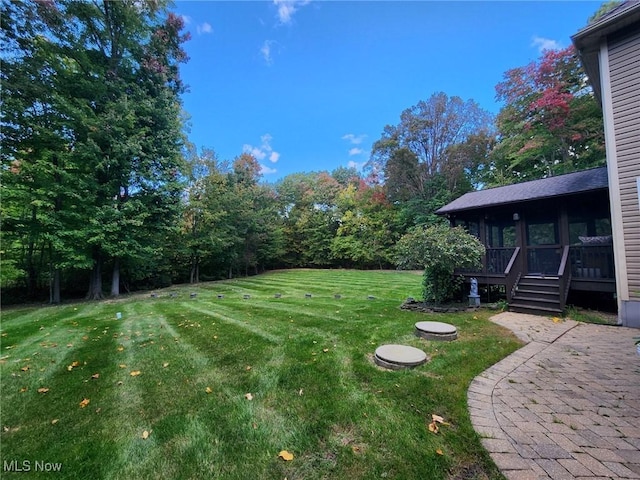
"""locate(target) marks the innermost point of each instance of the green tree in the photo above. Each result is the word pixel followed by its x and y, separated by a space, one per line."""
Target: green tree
pixel 440 250
pixel 111 71
pixel 43 204
pixel 421 153
pixel 308 209
pixel 368 227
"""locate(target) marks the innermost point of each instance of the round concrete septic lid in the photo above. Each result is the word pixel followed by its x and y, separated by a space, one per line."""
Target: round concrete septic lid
pixel 436 327
pixel 401 355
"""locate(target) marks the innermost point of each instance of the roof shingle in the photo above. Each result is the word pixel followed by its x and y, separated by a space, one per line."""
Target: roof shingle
pixel 576 182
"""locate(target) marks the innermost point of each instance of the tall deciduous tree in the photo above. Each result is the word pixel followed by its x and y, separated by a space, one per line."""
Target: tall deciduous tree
pixel 550 124
pixel 111 71
pixel 418 148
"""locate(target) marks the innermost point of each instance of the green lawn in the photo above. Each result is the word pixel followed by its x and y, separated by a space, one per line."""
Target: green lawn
pixel 305 361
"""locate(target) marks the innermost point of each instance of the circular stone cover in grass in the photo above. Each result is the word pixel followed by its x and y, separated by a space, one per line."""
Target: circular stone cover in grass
pixel 397 357
pixel 436 331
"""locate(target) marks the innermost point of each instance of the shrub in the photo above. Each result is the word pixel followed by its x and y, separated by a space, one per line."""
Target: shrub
pixel 440 250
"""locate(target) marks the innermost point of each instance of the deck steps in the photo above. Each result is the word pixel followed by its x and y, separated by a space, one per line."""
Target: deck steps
pixel 537 295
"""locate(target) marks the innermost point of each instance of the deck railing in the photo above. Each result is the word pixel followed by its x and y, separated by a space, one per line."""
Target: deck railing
pixel 592 262
pixel 494 262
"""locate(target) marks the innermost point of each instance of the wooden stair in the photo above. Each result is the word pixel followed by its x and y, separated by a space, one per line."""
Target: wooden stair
pixel 537 295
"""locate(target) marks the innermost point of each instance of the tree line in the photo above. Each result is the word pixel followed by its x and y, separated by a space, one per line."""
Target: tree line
pixel 100 186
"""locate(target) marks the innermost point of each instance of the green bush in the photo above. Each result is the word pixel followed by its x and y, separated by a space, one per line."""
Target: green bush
pixel 440 250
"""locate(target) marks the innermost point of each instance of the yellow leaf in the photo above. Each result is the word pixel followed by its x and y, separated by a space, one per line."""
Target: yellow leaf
pixel 248 396
pixel 165 364
pixel 208 390
pixel 286 456
pixel 23 389
pixel 433 427
pixel 439 451
pixel 325 350
pixel 24 369
pixel 135 373
pixel 120 348
pixel 438 419
pixel 43 390
pixel 556 320
pixel 248 368
pixel 54 421
pixel 84 402
pixel 145 435
pixel 122 365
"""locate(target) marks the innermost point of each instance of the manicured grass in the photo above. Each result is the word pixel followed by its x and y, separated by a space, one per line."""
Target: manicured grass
pixel 307 363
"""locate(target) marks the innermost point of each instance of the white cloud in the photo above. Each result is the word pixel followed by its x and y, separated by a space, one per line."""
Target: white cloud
pixel 263 151
pixel 264 170
pixel 354 139
pixel 254 151
pixel 286 9
pixel 265 51
pixel 356 165
pixel 355 151
pixel 204 28
pixel 543 44
pixel 186 19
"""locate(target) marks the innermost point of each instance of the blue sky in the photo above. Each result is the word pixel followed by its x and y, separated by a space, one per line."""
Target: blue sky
pixel 310 85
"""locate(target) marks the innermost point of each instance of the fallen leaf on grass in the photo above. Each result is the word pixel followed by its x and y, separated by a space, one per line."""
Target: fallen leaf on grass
pixel 325 350
pixel 208 390
pixel 25 369
pixel 439 451
pixel 286 456
pixel 135 373
pixel 95 375
pixel 438 418
pixel 165 364
pixel 145 434
pixel 248 367
pixel 435 419
pixel 84 402
pixel 23 389
pixel 54 421
pixel 43 390
pixel 73 365
pixel 120 348
pixel 248 396
pixel 122 365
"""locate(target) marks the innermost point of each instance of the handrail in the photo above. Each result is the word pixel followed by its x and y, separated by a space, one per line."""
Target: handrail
pixel 563 262
pixel 512 260
pixel 510 274
pixel 564 281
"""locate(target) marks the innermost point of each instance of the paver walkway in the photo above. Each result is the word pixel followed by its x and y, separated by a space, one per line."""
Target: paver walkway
pixel 564 406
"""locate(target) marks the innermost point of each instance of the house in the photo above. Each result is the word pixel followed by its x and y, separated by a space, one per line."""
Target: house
pixel 544 238
pixel 610 53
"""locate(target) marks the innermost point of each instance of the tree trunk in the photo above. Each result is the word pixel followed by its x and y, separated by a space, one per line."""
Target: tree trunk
pixel 115 278
pixel 54 296
pixel 95 281
pixel 195 270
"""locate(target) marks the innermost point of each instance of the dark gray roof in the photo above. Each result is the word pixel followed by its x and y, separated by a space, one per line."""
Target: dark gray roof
pixel 588 39
pixel 571 183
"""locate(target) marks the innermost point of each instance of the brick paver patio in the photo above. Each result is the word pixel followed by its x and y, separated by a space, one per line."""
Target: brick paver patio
pixel 564 406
